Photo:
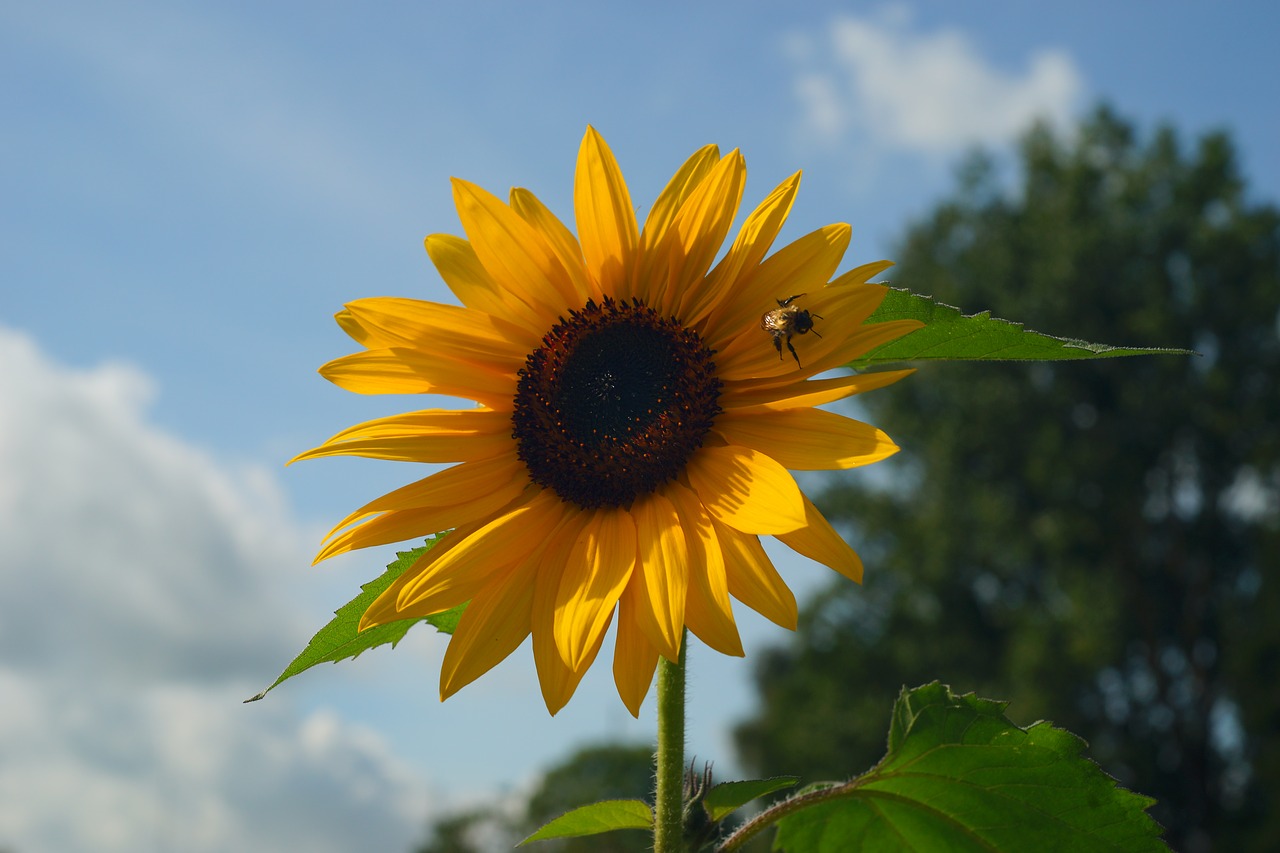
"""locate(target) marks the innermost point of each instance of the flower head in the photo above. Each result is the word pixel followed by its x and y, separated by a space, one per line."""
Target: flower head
pixel 636 418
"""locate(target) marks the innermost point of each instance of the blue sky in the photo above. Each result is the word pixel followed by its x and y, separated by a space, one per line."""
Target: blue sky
pixel 187 194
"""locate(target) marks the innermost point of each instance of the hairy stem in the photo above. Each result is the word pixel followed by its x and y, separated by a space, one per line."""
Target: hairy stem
pixel 668 829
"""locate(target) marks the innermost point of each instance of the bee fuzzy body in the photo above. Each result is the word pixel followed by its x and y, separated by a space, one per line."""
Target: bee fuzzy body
pixel 786 321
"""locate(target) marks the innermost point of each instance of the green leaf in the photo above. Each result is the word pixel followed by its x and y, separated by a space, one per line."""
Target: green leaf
pixel 604 816
pixel 960 776
pixel 727 797
pixel 340 640
pixel 948 334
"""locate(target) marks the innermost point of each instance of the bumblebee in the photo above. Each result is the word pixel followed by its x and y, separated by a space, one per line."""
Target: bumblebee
pixel 787 320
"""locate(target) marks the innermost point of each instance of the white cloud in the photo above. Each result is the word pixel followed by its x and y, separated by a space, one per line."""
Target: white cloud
pixel 116 527
pixel 875 82
pixel 140 601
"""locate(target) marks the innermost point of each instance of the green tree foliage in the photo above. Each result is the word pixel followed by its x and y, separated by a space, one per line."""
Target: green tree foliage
pixel 458 833
pixel 588 776
pixel 591 774
pixel 1096 541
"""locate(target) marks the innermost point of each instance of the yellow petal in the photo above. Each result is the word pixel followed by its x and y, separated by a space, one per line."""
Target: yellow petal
pixel 819 541
pixel 699 230
pixel 605 216
pixel 429 422
pixel 597 571
pixel 501 542
pixel 411 371
pixel 748 250
pixel 434 435
pixel 863 274
pixel 385 609
pixel 660 583
pixel 654 260
pixel 682 184
pixel 457 331
pixel 746 490
pixel 807 439
pixel 764 394
pixel 559 239
pixel 803 266
pixel 501 475
pixel 440 448
pixel 513 253
pixel 445 501
pixel 557 680
pixel 708 612
pixel 753 580
pixel 405 524
pixel 634 657
pixel 492 626
pixel 353 328
pixel 462 271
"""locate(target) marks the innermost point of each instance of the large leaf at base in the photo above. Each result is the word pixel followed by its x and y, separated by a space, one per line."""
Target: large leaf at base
pixel 950 335
pixel 960 776
pixel 340 640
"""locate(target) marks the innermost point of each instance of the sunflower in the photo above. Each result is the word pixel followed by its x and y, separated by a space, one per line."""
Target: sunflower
pixel 634 423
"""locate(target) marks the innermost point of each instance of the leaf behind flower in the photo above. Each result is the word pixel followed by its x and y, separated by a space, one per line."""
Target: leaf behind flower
pixel 949 335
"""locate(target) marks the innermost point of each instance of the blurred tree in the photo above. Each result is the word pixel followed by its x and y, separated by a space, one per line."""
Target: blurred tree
pixel 458 833
pixel 1095 541
pixel 608 772
pixel 594 773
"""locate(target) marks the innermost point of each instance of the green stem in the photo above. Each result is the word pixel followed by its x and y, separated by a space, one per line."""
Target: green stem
pixel 668 829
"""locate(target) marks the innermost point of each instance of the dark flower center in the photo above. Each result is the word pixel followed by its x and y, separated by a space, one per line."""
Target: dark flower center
pixel 613 403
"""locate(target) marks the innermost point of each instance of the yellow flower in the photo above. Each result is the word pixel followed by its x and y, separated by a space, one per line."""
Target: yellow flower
pixel 636 420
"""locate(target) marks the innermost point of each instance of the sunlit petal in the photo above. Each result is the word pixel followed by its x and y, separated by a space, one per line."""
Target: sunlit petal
pixel 807 439
pixel 699 230
pixel 434 435
pixel 708 612
pixel 746 490
pixel 765 394
pixel 397 370
pixel 461 332
pixel 559 239
pixel 512 252
pixel 557 680
pixel 752 244
pixel 385 608
pixel 818 541
pixel 493 625
pixel 444 504
pixel 659 585
pixel 606 219
pixel 462 271
pixel 598 570
pixel 634 657
pixel 465 482
pixel 654 259
pixel 501 542
pixel 753 580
